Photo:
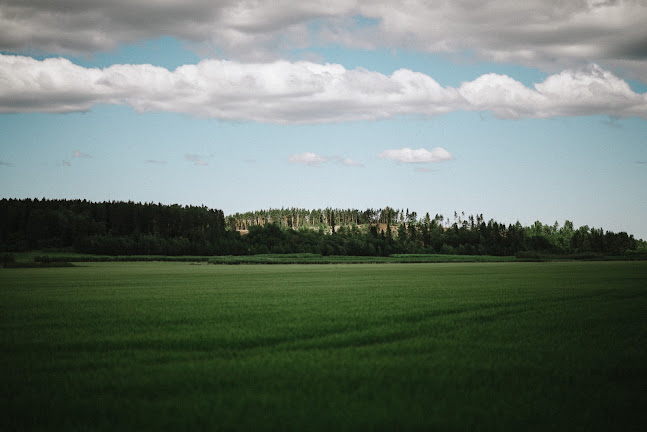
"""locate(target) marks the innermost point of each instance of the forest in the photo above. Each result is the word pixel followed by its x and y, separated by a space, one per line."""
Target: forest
pixel 129 228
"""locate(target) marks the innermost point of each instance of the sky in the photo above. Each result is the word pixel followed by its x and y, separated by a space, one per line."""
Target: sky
pixel 520 111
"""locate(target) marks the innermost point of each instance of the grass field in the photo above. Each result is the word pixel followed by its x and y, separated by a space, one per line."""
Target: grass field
pixel 472 346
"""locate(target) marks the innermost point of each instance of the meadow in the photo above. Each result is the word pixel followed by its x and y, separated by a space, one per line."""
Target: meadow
pixel 446 346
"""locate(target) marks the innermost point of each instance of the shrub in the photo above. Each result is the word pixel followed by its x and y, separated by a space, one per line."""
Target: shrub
pixel 7 258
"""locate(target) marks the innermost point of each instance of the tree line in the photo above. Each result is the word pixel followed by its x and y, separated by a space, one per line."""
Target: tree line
pixel 127 228
pixel 318 218
pixel 110 227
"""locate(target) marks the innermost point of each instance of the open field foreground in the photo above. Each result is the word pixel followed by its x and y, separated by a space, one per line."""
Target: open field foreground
pixel 471 346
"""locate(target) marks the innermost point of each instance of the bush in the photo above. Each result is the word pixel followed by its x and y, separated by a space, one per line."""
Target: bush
pixel 447 249
pixel 640 254
pixel 7 258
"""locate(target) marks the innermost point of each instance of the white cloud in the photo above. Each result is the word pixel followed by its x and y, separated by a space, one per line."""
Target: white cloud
pixel 421 155
pixel 307 158
pixel 546 33
pixel 27 84
pixel 303 92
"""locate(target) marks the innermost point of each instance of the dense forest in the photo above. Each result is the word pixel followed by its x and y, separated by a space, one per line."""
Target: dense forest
pixel 129 228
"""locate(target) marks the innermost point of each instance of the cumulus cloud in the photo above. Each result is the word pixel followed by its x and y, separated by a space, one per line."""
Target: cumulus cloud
pixel 550 34
pixel 243 29
pixel 303 92
pixel 421 155
pixel 308 158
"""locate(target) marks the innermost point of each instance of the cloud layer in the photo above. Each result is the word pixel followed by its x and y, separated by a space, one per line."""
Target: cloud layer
pixel 303 92
pixel 551 33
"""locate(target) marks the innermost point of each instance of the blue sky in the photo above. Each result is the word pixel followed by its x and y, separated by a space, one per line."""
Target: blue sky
pixel 355 105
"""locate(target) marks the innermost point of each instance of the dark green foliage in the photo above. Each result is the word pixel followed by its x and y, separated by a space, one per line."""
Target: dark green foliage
pixel 173 346
pixel 350 259
pixel 466 236
pixel 111 227
pixel 7 258
pixel 127 228
pixel 80 258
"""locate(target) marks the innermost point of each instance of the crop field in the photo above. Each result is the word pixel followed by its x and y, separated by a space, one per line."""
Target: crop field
pixel 450 346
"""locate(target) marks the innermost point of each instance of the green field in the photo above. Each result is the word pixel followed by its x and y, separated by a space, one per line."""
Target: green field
pixel 471 346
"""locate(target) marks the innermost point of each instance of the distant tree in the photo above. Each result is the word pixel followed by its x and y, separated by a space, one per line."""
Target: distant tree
pixel 402 233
